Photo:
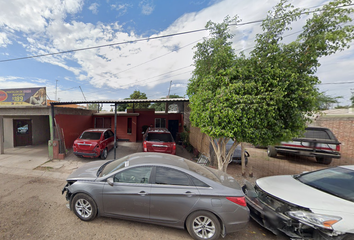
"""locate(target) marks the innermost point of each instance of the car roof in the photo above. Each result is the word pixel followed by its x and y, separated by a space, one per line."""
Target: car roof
pixel 96 130
pixel 157 158
pixel 158 130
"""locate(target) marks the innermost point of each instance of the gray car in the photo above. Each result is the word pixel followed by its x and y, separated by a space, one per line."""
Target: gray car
pixel 236 156
pixel 162 189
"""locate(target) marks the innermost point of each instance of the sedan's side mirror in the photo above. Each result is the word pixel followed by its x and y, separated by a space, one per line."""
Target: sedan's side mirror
pixel 110 181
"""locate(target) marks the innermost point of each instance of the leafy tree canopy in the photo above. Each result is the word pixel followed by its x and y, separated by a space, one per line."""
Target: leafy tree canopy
pixel 160 106
pixel 265 97
pixel 324 102
pixel 135 95
pixel 95 106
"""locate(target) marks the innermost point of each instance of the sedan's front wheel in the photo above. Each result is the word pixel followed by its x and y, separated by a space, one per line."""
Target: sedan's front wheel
pixel 104 154
pixel 84 207
pixel 203 225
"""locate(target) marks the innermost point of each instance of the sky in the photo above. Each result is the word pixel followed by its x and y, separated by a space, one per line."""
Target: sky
pixel 155 67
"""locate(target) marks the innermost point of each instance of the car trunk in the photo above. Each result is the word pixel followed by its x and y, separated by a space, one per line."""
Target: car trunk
pixel 162 147
pixel 85 145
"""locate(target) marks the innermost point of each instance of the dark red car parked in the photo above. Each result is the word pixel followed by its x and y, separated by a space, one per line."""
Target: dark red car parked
pixel 94 143
pixel 159 140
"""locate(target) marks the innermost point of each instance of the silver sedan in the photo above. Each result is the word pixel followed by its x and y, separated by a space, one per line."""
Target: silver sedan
pixel 161 189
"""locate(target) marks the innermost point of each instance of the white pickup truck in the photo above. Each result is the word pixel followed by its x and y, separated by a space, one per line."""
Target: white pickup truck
pixel 317 142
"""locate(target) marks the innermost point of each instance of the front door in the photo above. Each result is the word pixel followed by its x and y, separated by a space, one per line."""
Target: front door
pixel 173 128
pixel 130 194
pixel 22 132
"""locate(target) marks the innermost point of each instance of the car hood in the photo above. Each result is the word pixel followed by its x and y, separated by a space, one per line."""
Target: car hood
pixel 293 191
pixel 87 171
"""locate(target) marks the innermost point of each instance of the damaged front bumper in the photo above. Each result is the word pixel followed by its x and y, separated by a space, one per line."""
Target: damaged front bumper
pixel 68 193
pixel 273 214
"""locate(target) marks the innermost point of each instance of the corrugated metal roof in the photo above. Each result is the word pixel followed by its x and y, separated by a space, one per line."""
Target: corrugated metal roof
pixel 124 101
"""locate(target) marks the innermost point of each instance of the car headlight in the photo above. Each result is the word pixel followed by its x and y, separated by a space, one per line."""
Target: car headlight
pixel 320 220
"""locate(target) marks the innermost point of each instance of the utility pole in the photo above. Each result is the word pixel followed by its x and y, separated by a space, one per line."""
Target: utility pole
pixel 169 90
pixel 168 96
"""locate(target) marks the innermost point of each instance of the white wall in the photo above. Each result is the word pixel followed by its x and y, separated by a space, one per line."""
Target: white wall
pixel 8 133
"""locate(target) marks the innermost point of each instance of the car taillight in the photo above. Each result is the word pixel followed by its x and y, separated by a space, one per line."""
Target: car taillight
pixel 174 146
pixel 338 148
pixel 144 146
pixel 238 200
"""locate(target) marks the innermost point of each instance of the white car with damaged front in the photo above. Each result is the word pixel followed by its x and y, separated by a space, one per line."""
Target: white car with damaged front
pixel 312 205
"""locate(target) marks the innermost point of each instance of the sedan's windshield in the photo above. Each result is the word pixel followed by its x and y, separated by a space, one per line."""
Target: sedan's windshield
pixel 113 166
pixel 336 181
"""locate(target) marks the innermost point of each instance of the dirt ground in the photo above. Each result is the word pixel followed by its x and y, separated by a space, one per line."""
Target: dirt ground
pixel 33 207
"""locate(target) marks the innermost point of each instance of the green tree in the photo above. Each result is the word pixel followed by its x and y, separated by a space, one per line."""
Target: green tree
pixel 95 106
pixel 160 106
pixel 135 95
pixel 324 102
pixel 266 97
pixel 352 100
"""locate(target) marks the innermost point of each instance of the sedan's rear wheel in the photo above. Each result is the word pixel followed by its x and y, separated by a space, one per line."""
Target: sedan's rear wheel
pixel 104 154
pixel 203 225
pixel 84 207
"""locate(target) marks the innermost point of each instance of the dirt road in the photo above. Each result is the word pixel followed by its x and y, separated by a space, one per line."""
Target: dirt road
pixel 33 208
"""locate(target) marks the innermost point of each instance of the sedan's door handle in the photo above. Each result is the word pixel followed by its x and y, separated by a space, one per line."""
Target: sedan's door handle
pixel 190 194
pixel 142 193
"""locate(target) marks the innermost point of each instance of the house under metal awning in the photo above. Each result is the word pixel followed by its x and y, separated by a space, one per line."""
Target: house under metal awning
pixel 178 101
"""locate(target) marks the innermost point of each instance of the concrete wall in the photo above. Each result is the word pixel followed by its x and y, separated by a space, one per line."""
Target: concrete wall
pixel 40 130
pixel 73 126
pixel 8 133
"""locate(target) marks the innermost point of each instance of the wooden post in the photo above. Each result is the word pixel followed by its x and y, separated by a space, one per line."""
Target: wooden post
pixel 243 159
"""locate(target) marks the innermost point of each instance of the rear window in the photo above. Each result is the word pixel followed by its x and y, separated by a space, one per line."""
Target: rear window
pixel 320 134
pixel 159 137
pixel 201 170
pixel 91 135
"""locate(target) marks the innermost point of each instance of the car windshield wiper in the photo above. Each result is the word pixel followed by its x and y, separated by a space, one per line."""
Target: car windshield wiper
pixel 102 167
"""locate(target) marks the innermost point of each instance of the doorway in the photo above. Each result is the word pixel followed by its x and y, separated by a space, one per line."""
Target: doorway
pixel 173 128
pixel 22 132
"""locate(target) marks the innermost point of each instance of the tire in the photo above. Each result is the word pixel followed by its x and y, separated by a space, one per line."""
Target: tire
pixel 104 154
pixel 271 151
pixel 203 225
pixel 324 160
pixel 84 207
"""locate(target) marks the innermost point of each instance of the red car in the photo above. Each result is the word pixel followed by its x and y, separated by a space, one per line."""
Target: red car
pixel 159 140
pixel 94 143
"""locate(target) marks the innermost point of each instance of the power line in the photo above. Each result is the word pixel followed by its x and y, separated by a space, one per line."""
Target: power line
pixel 146 39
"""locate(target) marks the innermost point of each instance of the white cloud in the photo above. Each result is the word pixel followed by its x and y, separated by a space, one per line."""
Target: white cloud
pixel 4 41
pixel 121 8
pixel 144 64
pixel 147 7
pixel 93 7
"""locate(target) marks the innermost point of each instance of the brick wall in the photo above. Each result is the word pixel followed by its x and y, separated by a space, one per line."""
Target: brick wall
pixel 343 128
